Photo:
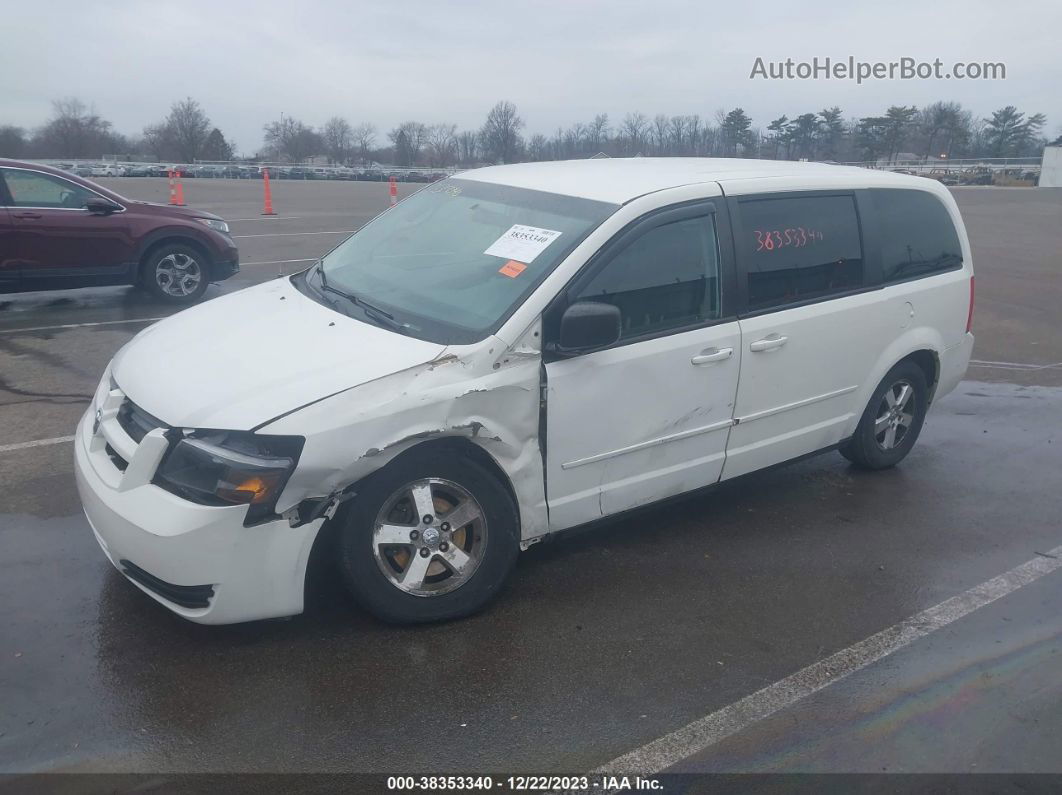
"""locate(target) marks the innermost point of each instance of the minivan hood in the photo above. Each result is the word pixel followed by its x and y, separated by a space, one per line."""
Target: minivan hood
pixel 241 360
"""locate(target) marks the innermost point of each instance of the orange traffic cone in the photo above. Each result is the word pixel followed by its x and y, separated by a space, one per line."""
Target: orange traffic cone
pixel 267 208
pixel 180 191
pixel 173 189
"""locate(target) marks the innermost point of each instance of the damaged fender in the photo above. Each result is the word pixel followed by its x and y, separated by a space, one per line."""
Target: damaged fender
pixel 487 393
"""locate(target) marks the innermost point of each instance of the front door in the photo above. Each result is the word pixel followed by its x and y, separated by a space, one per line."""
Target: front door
pixel 647 417
pixel 60 243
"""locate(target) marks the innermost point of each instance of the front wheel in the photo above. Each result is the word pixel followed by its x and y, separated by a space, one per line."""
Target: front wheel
pixel 892 420
pixel 176 274
pixel 430 537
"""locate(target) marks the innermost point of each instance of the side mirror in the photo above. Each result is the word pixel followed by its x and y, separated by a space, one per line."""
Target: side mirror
pixel 97 205
pixel 586 325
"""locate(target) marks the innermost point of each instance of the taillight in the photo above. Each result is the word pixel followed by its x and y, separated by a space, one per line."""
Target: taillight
pixel 969 316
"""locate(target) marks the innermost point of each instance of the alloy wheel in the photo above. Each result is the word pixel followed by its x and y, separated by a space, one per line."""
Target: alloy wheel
pixel 178 274
pixel 895 415
pixel 429 537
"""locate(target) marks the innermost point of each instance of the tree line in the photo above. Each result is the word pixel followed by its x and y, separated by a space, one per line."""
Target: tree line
pixel 186 134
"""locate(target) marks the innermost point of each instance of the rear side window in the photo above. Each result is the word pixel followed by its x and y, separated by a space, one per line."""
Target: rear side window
pixel 800 249
pixel 666 279
pixel 917 235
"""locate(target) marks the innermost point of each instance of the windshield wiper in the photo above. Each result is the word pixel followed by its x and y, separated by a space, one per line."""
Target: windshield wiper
pixel 379 316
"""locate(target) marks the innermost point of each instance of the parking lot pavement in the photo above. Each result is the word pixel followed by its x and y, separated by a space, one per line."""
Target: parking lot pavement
pixel 982 697
pixel 608 638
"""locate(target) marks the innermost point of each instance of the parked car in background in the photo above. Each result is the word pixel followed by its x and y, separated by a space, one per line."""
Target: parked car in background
pixel 107 170
pixel 943 176
pixel 512 353
pixel 59 230
pixel 139 170
pixel 82 170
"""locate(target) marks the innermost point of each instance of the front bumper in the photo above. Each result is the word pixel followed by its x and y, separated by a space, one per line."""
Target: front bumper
pixel 199 561
pixel 224 267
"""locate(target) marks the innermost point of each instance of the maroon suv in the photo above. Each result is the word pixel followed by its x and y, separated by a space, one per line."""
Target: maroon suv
pixel 59 231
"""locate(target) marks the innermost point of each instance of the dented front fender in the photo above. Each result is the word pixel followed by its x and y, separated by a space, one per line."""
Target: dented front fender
pixel 487 393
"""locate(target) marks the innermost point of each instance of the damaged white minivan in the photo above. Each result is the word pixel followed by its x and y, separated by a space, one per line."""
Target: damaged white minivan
pixel 513 352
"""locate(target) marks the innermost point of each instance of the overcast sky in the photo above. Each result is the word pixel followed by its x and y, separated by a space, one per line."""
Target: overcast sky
pixel 560 61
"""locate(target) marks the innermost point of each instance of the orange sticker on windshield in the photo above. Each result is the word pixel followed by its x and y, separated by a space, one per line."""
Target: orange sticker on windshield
pixel 512 268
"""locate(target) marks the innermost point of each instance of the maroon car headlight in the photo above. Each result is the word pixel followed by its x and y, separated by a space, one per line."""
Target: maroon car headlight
pixel 230 468
pixel 215 224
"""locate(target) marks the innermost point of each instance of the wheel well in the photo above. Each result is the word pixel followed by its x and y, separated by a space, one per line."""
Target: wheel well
pixel 460 446
pixel 171 240
pixel 930 365
pixel 321 553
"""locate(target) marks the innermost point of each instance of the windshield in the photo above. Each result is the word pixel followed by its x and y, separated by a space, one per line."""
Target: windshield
pixel 452 262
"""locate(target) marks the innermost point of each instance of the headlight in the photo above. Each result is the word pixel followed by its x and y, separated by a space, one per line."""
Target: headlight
pixel 218 226
pixel 230 468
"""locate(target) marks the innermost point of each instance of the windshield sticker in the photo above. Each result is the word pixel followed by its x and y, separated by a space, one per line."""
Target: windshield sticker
pixel 522 243
pixel 512 269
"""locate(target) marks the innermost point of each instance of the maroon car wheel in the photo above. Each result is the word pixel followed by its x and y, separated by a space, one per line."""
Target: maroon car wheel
pixel 176 274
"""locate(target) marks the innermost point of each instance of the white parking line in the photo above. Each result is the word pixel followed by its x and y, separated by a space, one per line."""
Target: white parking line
pixel 79 325
pixel 266 218
pixel 7 448
pixel 139 319
pixel 1012 365
pixel 672 748
pixel 297 234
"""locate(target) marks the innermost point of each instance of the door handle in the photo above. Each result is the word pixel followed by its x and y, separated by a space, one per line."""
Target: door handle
pixel 712 355
pixel 769 343
pixel 26 215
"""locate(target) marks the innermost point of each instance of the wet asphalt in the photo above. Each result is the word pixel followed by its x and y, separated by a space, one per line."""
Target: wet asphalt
pixel 606 638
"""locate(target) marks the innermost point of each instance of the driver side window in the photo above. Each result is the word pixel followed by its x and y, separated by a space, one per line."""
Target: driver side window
pixel 35 189
pixel 666 279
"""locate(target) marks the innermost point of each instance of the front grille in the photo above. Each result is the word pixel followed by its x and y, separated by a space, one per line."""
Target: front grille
pixel 191 596
pixel 136 422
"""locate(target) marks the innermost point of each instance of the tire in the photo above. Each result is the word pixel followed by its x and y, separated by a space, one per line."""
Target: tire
pixel 892 420
pixel 176 273
pixel 433 571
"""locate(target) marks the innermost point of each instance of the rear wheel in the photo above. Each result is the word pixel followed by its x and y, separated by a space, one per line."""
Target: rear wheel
pixel 892 420
pixel 428 538
pixel 176 273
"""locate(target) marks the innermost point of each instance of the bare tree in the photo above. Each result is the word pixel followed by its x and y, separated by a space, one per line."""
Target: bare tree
pixel 408 139
pixel 500 135
pixel 661 125
pixel 292 139
pixel 597 133
pixel 75 130
pixel 364 136
pixel 338 135
pixel 468 146
pixel 188 128
pixel 634 131
pixel 442 144
pixel 157 140
pixel 537 148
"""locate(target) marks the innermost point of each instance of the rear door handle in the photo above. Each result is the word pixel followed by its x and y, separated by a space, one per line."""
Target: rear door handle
pixel 712 355
pixel 769 343
pixel 26 215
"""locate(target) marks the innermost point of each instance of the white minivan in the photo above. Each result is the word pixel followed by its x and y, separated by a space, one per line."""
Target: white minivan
pixel 512 352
